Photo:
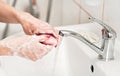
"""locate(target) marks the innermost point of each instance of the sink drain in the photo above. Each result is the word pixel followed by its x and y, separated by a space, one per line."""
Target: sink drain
pixel 92 68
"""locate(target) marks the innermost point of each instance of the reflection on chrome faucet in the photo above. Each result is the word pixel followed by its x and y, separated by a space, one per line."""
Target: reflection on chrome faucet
pixel 108 34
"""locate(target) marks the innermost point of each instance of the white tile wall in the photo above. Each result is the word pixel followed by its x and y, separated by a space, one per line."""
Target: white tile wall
pixel 112 14
pixel 93 7
pixel 56 13
pixel 70 13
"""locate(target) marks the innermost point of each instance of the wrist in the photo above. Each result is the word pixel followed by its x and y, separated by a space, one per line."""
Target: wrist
pixel 20 17
pixel 17 16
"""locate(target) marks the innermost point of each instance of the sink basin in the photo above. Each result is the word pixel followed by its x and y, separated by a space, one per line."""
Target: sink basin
pixel 71 58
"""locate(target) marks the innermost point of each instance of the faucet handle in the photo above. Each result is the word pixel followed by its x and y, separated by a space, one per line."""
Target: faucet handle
pixel 107 31
pixel 107 34
pixel 103 33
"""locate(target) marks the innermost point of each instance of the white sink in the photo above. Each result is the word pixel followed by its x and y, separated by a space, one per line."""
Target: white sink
pixel 73 58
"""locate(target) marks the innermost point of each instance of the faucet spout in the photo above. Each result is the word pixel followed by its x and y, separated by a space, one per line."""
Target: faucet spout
pixel 67 33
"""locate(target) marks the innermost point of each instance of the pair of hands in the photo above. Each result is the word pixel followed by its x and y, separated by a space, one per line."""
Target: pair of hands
pixel 40 39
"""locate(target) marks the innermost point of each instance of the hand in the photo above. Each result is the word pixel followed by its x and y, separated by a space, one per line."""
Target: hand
pixel 31 47
pixel 32 25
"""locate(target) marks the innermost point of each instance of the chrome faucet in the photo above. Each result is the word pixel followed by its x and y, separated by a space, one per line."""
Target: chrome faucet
pixel 106 51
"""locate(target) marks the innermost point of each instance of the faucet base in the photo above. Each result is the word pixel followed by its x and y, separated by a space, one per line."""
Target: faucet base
pixel 100 57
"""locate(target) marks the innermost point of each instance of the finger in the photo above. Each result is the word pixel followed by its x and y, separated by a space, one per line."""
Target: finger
pixel 30 32
pixel 56 32
pixel 27 53
pixel 46 32
pixel 30 55
pixel 46 29
pixel 27 31
pixel 42 51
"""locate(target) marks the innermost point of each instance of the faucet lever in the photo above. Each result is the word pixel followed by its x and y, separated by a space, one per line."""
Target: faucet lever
pixel 103 33
pixel 109 32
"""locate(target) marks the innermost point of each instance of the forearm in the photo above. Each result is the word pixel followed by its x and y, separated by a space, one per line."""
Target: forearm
pixel 5 51
pixel 8 14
